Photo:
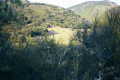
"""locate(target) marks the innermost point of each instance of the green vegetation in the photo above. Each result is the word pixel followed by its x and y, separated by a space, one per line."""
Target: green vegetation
pixel 105 44
pixel 45 42
pixel 42 14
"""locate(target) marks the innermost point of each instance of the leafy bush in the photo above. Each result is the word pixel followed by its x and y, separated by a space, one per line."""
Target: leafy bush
pixel 104 42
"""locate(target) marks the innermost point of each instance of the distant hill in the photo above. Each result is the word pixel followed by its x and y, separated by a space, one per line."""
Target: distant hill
pixel 42 14
pixel 91 9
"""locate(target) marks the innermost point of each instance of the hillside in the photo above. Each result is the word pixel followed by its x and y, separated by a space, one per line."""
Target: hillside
pixel 91 9
pixel 62 36
pixel 37 17
pixel 46 42
pixel 42 14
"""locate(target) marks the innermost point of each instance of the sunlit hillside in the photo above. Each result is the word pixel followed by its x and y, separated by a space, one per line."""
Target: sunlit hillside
pixel 92 9
pixel 37 17
pixel 43 14
pixel 62 35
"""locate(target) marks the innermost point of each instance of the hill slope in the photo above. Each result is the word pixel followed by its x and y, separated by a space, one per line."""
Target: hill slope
pixel 63 35
pixel 37 18
pixel 41 14
pixel 91 9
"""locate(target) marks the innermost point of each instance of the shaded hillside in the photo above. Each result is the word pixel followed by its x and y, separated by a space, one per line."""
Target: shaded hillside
pixel 91 9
